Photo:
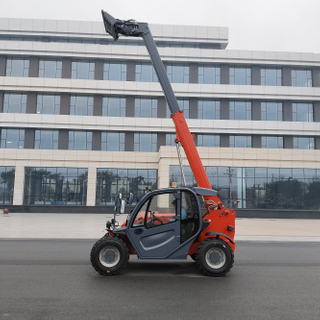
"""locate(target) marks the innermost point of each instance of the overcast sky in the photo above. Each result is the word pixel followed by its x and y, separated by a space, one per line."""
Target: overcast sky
pixel 269 25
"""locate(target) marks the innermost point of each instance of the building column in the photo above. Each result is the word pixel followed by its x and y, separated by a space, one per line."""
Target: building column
pixel 316 111
pixel 193 76
pixel 91 187
pixel 98 70
pixel 287 110
pixel 256 75
pixel 34 67
pixel 225 74
pixel 316 77
pixel 286 76
pixel 224 109
pixel 18 185
pixel 256 110
pixel 2 66
pixel 131 71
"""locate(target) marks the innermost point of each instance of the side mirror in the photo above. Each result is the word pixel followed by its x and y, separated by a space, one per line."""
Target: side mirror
pixel 130 198
pixel 122 206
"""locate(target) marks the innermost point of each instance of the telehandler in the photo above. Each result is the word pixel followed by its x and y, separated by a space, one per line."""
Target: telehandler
pixel 168 223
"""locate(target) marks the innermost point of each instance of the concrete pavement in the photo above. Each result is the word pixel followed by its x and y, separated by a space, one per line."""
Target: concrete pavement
pixel 92 226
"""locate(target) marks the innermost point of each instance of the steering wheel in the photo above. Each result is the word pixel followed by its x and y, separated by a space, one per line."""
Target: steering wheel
pixel 154 217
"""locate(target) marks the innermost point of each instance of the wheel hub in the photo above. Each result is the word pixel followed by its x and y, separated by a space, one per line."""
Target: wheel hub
pixel 109 257
pixel 215 258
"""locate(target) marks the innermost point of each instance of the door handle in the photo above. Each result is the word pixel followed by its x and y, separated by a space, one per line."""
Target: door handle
pixel 138 231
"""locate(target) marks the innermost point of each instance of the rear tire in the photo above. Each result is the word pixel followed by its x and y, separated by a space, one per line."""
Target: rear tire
pixel 109 255
pixel 214 257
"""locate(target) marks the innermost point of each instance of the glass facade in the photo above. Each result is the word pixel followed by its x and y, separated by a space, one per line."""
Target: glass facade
pixel 50 68
pixel 46 139
pixel 17 67
pixel 240 141
pixel 271 111
pixel 48 104
pixel 272 142
pixel 209 74
pixel 82 70
pixel 303 143
pixel 302 112
pixel 81 105
pixel 7 175
pixel 301 78
pixel 80 140
pixel 145 142
pixel 240 76
pixel 112 141
pixel 14 103
pixel 178 73
pixel 146 108
pixel 146 73
pixel 115 71
pixel 261 188
pixel 110 182
pixel 113 107
pixel 208 140
pixel 12 138
pixel 271 77
pixel 240 110
pixel 55 186
pixel 208 109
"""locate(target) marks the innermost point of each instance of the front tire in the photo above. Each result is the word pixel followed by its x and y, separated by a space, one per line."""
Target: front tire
pixel 214 257
pixel 109 255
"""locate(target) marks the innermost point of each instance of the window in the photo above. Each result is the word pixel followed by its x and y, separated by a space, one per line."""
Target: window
pixel 50 68
pixel 208 109
pixel 146 73
pixel 14 103
pixel 301 78
pixel 170 139
pixel 240 110
pixel 209 74
pixel 145 142
pixel 55 186
pixel 271 77
pixel 272 142
pixel 113 107
pixel 17 67
pixel 146 108
pixel 271 111
pixel 302 112
pixel 80 140
pixel 112 141
pixel 112 181
pixel 115 71
pixel 12 138
pixel 46 139
pixel 303 143
pixel 208 140
pixel 240 141
pixel 82 70
pixel 48 104
pixel 178 73
pixel 7 175
pixel 81 106
pixel 183 105
pixel 240 76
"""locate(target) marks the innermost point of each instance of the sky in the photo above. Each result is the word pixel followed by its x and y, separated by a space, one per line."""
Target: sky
pixel 268 25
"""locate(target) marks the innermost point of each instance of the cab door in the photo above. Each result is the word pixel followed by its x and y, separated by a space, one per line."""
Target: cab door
pixel 154 228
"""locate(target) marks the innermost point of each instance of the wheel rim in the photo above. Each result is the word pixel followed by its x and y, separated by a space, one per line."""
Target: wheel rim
pixel 215 258
pixel 109 257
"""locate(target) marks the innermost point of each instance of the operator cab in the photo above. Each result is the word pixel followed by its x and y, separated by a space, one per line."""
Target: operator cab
pixel 165 223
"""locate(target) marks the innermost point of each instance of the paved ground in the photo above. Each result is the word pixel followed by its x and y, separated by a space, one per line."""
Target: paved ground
pixel 92 226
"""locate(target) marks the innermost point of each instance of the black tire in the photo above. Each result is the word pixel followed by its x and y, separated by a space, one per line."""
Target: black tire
pixel 214 257
pixel 109 255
